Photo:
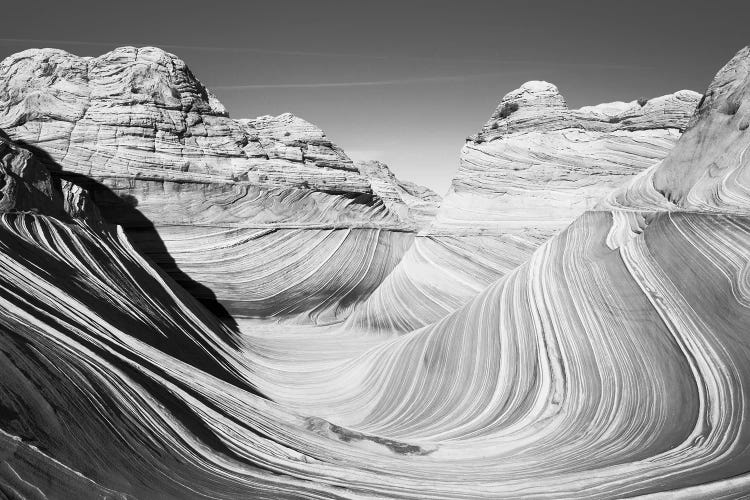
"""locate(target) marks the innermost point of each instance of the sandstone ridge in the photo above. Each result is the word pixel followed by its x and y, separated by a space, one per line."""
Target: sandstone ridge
pixel 160 156
pixel 531 169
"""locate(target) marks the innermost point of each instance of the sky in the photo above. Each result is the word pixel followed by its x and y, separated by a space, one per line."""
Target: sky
pixel 403 82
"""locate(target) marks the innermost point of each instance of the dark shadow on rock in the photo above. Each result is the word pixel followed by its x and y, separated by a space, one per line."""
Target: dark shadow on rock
pixel 122 210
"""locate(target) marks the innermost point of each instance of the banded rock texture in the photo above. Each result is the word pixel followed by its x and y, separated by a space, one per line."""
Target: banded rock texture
pixel 531 169
pixel 93 345
pixel 614 362
pixel 544 164
pixel 715 150
pixel 206 196
pixel 408 200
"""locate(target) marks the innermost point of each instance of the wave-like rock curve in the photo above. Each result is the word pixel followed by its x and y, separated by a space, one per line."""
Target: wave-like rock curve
pixel 614 362
pixel 531 169
pixel 160 156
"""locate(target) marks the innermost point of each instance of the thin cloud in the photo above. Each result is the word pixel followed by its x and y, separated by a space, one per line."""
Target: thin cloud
pixel 301 53
pixel 188 47
pixel 370 83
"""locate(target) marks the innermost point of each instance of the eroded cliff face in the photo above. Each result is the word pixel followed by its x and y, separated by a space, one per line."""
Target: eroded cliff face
pixel 26 185
pixel 408 200
pixel 537 164
pixel 532 168
pixel 711 169
pixel 206 196
pixel 110 110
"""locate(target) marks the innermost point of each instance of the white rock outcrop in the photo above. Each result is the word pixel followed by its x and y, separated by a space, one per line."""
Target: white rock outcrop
pixel 710 171
pixel 207 196
pixel 532 168
pixel 410 201
pixel 544 164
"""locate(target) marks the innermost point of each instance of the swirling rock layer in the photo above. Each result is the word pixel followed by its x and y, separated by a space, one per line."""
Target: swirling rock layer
pixel 710 171
pixel 614 362
pixel 161 157
pixel 532 168
pixel 467 408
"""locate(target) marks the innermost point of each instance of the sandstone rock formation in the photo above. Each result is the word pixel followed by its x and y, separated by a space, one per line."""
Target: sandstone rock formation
pixel 544 164
pixel 27 186
pixel 613 363
pixel 531 169
pixel 709 172
pixel 408 200
pixel 207 196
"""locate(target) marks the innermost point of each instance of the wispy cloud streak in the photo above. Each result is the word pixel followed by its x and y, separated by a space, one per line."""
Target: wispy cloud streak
pixel 370 83
pixel 301 53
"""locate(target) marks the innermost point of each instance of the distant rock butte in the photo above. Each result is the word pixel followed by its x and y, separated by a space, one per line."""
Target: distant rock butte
pixel 544 164
pixel 141 111
pixel 141 114
pixel 532 168
pixel 205 195
pixel 408 200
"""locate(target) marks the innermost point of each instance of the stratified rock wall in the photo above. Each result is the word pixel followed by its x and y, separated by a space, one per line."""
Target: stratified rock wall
pixel 531 169
pixel 411 202
pixel 711 170
pixel 544 164
pixel 207 196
